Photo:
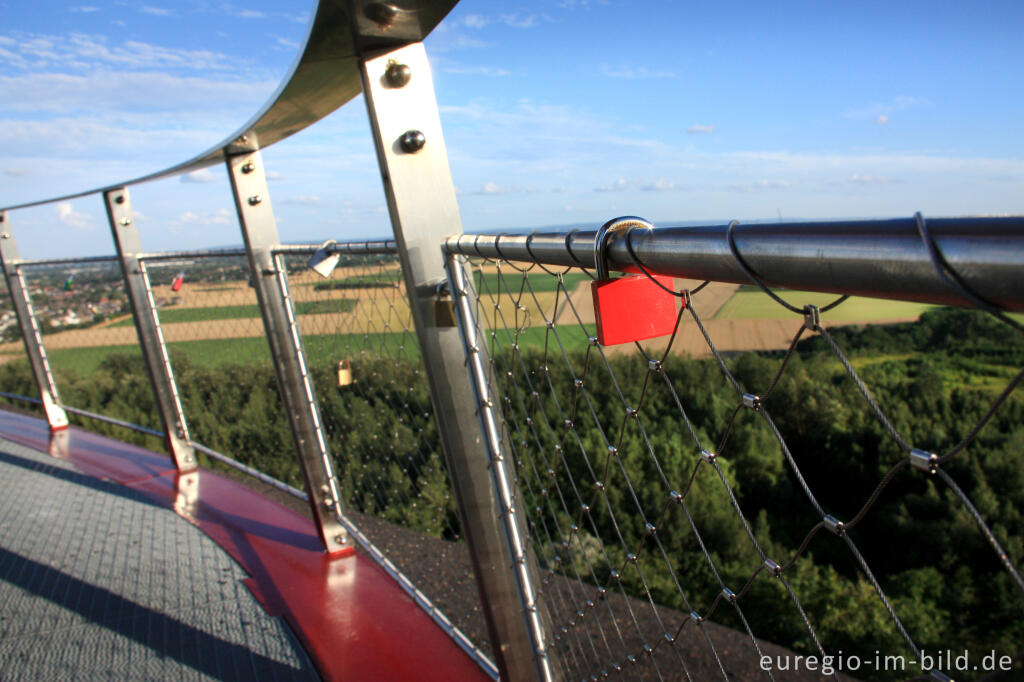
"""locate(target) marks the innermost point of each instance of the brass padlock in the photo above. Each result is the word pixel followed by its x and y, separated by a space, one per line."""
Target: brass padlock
pixel 344 374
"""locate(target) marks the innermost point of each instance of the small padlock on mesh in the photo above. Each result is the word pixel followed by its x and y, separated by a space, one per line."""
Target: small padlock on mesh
pixel 634 307
pixel 344 374
pixel 323 261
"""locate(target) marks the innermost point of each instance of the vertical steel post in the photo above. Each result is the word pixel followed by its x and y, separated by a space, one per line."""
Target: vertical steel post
pixel 402 108
pixel 267 271
pixel 29 325
pixel 147 324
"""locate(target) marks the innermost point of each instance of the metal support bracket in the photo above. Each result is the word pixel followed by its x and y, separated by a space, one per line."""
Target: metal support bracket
pixel 399 94
pixel 147 324
pixel 29 325
pixel 259 230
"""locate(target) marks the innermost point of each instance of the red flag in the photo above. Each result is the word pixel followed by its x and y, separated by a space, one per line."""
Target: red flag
pixel 178 281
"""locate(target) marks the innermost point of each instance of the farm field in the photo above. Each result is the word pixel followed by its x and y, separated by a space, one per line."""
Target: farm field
pixel 238 312
pixel 362 310
pixel 747 304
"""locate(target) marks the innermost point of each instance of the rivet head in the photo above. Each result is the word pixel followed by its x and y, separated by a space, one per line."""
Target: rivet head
pixel 248 167
pixel 412 141
pixel 381 13
pixel 119 199
pixel 126 221
pixel 340 539
pixel 398 75
pixel 255 199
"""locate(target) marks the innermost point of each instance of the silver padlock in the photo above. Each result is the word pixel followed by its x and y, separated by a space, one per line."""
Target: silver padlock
pixel 322 262
pixel 344 374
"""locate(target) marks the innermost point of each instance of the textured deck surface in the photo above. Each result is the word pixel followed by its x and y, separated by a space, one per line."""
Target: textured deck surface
pixel 114 566
pixel 98 582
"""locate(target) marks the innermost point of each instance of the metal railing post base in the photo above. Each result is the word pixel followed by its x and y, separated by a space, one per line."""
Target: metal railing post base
pixel 147 325
pixel 56 416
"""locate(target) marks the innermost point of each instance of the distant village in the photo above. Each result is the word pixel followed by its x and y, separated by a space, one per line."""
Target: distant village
pixel 85 296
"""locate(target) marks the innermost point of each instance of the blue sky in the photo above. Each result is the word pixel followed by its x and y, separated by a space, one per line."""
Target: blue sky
pixel 555 112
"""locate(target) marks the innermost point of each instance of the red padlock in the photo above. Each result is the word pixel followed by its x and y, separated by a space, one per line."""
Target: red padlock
pixel 631 308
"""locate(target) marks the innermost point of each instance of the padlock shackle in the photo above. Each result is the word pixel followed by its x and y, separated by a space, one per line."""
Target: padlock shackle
pixel 628 222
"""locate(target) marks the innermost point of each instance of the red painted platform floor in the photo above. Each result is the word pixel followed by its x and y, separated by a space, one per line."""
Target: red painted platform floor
pixel 354 621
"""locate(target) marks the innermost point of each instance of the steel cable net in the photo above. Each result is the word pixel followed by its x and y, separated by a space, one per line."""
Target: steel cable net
pixel 11 348
pixel 210 320
pixel 763 515
pixel 85 321
pixel 368 376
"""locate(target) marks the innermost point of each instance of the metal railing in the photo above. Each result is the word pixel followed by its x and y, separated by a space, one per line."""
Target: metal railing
pixel 647 477
pixel 622 510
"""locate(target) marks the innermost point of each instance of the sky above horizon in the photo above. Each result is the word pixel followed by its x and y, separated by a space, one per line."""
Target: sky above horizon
pixel 555 112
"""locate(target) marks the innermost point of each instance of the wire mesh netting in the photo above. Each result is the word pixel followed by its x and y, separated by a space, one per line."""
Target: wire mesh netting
pixel 210 319
pixel 12 351
pixel 90 342
pixel 368 374
pixel 716 517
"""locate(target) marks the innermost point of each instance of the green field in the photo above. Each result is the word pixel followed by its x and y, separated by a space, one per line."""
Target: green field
pixel 490 283
pixel 756 305
pixel 321 350
pixel 241 312
pixel 86 361
pixel 381 280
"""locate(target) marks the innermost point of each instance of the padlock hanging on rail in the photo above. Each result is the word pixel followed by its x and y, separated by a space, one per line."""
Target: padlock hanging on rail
pixel 634 307
pixel 345 374
pixel 323 261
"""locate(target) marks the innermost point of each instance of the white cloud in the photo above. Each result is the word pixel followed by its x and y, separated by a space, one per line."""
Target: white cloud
pixel 491 189
pixel 199 177
pixel 304 200
pixel 85 8
pixel 287 42
pixel 476 70
pixel 618 186
pixel 512 19
pixel 660 185
pixel 221 216
pixel 879 112
pixel 460 42
pixel 634 72
pixel 16 172
pixel 868 179
pixel 103 91
pixel 85 52
pixel 155 11
pixel 274 175
pixel 73 219
pixel 758 186
pixel 516 20
pixel 698 129
pixel 250 14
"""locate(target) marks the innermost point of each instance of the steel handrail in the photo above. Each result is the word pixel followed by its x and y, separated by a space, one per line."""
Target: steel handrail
pixel 875 258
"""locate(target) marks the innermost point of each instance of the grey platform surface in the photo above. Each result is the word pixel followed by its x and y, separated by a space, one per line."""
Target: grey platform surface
pixel 97 582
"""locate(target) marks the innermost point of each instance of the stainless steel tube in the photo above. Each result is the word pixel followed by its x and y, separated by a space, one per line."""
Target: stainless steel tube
pixel 876 258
